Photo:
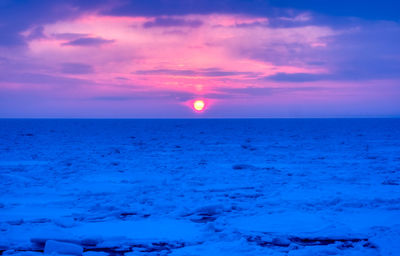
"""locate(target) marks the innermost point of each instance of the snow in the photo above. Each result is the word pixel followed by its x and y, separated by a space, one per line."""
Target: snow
pixel 56 247
pixel 200 187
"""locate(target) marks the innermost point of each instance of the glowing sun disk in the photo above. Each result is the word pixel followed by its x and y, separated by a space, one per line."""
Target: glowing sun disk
pixel 199 105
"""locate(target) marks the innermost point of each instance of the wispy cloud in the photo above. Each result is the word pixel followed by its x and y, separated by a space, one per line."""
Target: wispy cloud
pixel 267 91
pixel 69 36
pixel 88 41
pixel 298 77
pixel 76 68
pixel 207 72
pixel 173 22
pixel 44 79
pixel 147 95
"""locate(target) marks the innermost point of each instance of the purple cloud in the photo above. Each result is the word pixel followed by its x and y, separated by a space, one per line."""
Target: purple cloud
pixel 263 91
pixel 88 41
pixel 176 72
pixel 76 68
pixel 147 95
pixel 365 51
pixel 19 16
pixel 172 22
pixel 372 10
pixel 299 77
pixel 37 78
pixel 209 72
pixel 36 33
pixel 69 36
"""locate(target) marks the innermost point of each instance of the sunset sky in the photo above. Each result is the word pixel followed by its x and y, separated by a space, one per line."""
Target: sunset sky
pixel 153 59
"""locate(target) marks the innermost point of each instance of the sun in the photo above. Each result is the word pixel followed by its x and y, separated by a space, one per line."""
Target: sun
pixel 198 105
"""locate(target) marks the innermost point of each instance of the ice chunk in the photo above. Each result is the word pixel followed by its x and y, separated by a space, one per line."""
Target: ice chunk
pixel 16 253
pixel 95 254
pixel 55 247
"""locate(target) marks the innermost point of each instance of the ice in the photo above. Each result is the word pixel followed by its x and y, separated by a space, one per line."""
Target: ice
pixel 200 187
pixel 55 247
pixel 96 254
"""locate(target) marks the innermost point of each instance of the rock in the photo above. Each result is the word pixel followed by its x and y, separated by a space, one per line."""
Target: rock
pixel 55 247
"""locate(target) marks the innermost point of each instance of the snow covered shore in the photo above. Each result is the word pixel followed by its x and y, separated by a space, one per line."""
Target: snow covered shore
pixel 200 187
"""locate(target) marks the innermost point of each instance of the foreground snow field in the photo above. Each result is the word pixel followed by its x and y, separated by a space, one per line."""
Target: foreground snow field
pixel 200 187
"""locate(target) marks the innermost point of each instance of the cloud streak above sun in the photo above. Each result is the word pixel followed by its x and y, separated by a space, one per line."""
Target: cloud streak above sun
pixel 291 62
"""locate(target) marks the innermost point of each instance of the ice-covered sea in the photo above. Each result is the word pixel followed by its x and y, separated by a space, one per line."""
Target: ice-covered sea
pixel 200 187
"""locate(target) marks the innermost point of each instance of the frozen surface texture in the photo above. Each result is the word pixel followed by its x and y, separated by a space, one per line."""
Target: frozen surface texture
pixel 200 187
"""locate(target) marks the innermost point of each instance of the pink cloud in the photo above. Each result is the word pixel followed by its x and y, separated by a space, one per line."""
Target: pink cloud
pixel 222 59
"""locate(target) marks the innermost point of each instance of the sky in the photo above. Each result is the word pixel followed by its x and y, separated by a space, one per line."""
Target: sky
pixel 155 58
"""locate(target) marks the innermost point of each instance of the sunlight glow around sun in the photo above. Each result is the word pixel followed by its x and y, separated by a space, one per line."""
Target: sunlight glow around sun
pixel 198 105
